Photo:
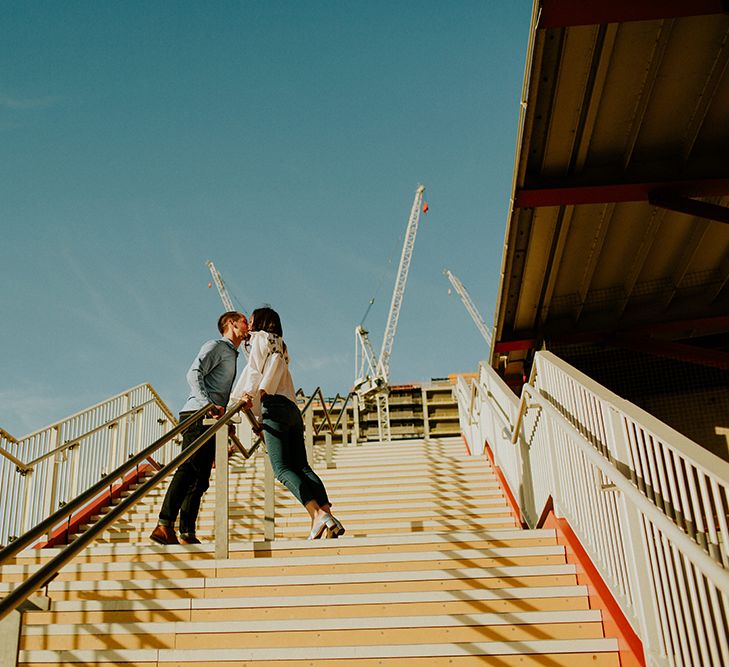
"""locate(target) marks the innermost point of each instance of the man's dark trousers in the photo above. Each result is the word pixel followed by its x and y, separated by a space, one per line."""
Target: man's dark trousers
pixel 189 482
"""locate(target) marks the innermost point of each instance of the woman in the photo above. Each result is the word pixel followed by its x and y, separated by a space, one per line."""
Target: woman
pixel 267 386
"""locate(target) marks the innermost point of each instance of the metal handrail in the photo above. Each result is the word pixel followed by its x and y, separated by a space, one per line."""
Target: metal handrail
pixel 73 442
pixel 42 470
pixel 10 438
pixel 48 571
pixel 523 406
pixel 257 429
pixel 79 501
pixel 148 386
pixel 623 484
pixel 327 411
pixel 15 461
pixel 572 457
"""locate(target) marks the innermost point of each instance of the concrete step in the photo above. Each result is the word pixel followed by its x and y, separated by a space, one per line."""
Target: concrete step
pixel 206 585
pixel 312 633
pixel 549 652
pixel 289 506
pixel 402 542
pixel 503 600
pixel 298 517
pixel 252 529
pixel 303 564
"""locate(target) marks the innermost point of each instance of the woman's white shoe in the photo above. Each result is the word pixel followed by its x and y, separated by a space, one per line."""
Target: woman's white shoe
pixel 324 524
pixel 338 528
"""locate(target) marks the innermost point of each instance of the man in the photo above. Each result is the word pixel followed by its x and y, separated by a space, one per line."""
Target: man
pixel 210 378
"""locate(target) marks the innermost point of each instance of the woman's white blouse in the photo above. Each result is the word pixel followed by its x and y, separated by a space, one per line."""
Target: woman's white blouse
pixel 267 370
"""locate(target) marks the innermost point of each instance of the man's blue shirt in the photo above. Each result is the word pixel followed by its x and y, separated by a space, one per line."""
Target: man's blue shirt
pixel 211 375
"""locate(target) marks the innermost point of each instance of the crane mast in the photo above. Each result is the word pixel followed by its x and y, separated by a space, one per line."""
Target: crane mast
pixel 223 291
pixel 400 282
pixel 373 373
pixel 218 280
pixel 470 306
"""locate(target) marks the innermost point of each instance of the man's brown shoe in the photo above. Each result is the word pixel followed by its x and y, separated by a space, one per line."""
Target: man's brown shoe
pixel 164 535
pixel 189 539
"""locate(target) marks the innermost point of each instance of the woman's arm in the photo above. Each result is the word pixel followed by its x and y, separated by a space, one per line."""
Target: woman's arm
pixel 250 379
pixel 273 373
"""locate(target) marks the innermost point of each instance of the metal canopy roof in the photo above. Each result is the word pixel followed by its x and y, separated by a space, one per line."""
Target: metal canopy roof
pixel 619 218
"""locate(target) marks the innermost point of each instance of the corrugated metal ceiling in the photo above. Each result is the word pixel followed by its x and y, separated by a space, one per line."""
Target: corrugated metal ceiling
pixel 624 123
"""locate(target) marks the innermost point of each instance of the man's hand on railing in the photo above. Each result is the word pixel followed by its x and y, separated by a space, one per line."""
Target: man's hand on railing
pixel 216 412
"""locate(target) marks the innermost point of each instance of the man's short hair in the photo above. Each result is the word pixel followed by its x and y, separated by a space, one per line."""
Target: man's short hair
pixel 230 316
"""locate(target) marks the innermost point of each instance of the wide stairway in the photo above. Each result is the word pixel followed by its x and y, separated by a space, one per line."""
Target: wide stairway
pixel 433 570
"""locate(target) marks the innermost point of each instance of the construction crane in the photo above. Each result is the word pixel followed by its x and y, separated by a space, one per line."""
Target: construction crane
pixel 470 306
pixel 373 373
pixel 222 290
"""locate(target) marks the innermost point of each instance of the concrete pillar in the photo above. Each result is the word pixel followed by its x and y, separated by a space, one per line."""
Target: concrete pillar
pixel 10 639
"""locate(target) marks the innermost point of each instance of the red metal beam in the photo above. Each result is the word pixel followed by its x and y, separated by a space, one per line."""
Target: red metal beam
pixel 514 345
pixel 565 13
pixel 692 207
pixel 617 192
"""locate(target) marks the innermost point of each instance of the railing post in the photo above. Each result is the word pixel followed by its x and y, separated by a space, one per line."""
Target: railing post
pixel 123 432
pixel 137 420
pixel 51 481
pixel 309 433
pixel 426 425
pixel 74 453
pixel 556 490
pixel 345 426
pixel 269 501
pixel 355 421
pixel 222 542
pixel 640 570
pixel 328 450
pixel 114 428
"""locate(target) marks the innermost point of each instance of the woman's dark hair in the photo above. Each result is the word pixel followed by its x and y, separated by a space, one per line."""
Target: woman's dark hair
pixel 266 319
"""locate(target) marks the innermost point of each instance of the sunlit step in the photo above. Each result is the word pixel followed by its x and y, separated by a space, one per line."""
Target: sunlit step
pixel 502 600
pixel 548 652
pixel 401 542
pixel 370 582
pixel 252 529
pixel 290 505
pixel 451 559
pixel 298 516
pixel 372 631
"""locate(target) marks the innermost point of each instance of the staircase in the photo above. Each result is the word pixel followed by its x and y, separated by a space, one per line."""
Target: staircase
pixel 433 570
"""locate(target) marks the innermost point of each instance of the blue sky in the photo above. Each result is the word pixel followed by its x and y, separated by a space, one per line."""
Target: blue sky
pixel 282 140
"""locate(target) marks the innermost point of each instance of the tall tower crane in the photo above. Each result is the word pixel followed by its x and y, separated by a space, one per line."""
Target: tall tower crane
pixel 222 290
pixel 373 373
pixel 470 306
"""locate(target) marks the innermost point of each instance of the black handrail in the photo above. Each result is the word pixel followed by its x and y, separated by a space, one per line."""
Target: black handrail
pixel 327 417
pixel 30 536
pixel 48 571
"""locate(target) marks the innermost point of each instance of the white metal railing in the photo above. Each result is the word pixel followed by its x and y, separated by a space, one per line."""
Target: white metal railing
pixel 41 471
pixel 648 505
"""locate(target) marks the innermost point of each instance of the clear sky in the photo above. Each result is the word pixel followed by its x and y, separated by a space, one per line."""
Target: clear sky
pixel 282 140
